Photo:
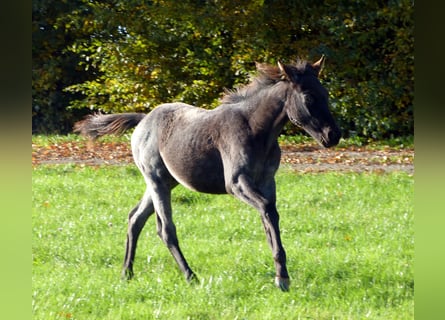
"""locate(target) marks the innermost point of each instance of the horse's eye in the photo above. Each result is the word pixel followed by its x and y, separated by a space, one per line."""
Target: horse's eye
pixel 309 99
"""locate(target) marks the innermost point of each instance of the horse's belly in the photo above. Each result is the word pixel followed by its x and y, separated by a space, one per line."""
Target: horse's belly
pixel 202 174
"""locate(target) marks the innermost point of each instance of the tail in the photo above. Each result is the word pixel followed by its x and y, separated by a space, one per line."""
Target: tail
pixel 97 125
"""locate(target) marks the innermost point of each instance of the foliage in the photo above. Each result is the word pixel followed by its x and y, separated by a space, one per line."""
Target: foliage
pixel 349 242
pixel 54 67
pixel 137 54
pixel 181 52
pixel 373 95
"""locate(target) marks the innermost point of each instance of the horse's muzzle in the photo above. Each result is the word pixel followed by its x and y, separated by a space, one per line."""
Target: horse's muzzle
pixel 331 137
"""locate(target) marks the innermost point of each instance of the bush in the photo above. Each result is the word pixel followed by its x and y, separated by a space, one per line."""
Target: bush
pixel 136 54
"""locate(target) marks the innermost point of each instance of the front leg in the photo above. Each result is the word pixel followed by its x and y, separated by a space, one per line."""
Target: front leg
pixel 271 227
pixel 243 187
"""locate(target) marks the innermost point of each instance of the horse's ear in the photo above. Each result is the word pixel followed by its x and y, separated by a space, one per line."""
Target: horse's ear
pixel 318 66
pixel 286 72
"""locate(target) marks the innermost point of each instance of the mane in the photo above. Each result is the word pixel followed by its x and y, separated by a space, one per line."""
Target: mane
pixel 267 75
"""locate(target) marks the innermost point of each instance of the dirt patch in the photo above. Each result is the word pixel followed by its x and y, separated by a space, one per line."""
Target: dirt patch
pixel 316 159
pixel 304 158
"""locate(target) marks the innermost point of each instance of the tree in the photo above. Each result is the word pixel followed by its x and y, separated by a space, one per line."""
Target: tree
pixel 160 51
pixel 53 68
pixel 372 84
pixel 137 54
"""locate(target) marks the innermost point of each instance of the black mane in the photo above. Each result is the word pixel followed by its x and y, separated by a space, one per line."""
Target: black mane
pixel 267 75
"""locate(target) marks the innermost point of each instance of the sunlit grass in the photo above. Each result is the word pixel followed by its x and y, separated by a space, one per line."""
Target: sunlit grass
pixel 51 139
pixel 302 139
pixel 349 241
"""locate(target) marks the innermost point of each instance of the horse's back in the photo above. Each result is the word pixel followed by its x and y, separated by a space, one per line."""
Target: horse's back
pixel 184 139
pixel 160 120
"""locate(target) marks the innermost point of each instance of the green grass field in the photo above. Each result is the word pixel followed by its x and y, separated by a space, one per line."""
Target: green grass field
pixel 349 240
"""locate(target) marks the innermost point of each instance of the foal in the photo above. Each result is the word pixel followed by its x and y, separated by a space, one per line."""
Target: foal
pixel 231 149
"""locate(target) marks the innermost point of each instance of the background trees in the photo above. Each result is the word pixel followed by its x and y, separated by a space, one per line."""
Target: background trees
pixel 118 56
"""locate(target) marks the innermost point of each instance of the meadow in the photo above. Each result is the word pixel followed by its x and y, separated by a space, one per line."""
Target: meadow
pixel 349 239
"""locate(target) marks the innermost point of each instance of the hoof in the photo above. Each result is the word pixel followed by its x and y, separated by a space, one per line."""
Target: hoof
pixel 282 283
pixel 127 274
pixel 192 279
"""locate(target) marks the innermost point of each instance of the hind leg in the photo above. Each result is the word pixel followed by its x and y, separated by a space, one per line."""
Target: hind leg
pixel 161 194
pixel 136 220
pixel 167 232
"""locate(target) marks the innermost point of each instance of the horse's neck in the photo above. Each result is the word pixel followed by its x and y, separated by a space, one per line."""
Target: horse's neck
pixel 267 114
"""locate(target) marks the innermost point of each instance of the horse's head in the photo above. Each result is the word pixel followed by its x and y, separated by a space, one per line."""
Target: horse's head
pixel 307 105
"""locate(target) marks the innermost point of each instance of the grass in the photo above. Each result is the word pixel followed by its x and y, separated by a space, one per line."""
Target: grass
pixel 51 139
pixel 348 237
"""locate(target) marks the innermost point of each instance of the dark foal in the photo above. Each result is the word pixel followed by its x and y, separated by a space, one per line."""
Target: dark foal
pixel 231 149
